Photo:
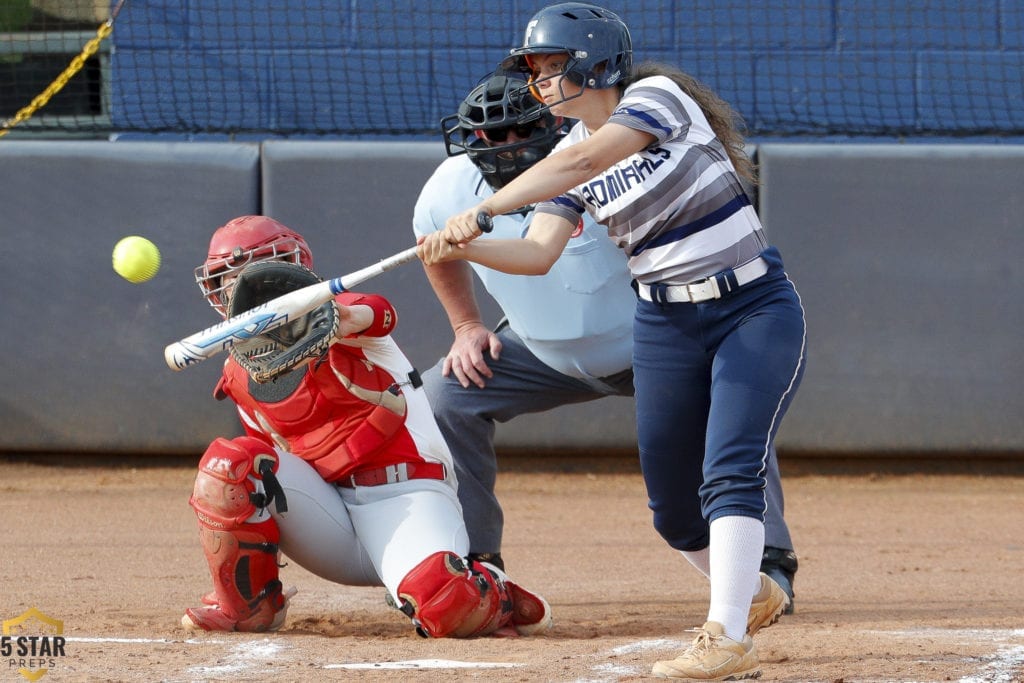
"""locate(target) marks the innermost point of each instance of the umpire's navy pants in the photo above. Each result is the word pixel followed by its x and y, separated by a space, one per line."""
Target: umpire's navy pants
pixel 713 380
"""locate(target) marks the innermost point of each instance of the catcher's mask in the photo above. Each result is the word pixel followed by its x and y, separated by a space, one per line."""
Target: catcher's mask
pixel 280 350
pixel 240 242
pixel 502 128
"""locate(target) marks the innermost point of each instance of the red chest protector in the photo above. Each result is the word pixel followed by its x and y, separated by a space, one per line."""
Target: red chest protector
pixel 343 414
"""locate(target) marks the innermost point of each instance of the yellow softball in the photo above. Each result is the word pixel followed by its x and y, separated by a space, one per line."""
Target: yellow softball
pixel 136 259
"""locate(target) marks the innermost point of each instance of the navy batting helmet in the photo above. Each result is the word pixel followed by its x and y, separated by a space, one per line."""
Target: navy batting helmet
pixel 597 41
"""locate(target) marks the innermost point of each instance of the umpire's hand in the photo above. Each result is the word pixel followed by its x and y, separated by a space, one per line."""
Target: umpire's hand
pixel 466 357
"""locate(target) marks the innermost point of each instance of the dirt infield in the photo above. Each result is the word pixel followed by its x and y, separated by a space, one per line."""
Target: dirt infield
pixel 904 576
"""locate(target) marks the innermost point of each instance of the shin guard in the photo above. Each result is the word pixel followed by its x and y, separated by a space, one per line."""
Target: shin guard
pixel 242 555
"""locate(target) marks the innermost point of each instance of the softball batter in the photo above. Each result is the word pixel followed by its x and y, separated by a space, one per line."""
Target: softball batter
pixel 719 333
pixel 576 347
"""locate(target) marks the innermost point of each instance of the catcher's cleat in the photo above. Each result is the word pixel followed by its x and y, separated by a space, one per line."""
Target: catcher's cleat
pixel 712 656
pixel 767 606
pixel 781 565
pixel 213 618
pixel 531 614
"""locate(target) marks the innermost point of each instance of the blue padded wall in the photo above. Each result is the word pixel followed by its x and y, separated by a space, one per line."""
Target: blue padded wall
pixel 908 262
pixel 84 348
pixel 906 257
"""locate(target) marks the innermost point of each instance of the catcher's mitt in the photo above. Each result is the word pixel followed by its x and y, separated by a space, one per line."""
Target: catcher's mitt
pixel 278 351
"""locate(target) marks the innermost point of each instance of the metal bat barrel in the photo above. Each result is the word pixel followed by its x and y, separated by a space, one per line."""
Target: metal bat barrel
pixel 271 315
pixel 252 323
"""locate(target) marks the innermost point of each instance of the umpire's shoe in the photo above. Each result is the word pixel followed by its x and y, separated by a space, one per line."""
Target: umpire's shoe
pixel 767 605
pixel 781 565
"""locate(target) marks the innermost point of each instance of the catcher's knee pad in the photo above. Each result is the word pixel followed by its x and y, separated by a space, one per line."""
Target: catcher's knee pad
pixel 447 597
pixel 243 555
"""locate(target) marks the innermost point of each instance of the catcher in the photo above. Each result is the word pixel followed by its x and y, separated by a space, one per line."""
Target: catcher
pixel 342 468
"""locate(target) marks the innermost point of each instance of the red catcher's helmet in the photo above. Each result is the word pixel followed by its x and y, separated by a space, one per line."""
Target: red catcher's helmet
pixel 245 240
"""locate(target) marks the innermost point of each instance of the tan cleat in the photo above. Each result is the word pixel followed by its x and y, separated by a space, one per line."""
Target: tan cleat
pixel 767 606
pixel 713 657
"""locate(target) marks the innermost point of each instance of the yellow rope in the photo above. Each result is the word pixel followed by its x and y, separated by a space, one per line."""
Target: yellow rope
pixel 40 100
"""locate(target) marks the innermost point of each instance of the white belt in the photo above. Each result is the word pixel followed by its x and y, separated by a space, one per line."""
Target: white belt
pixel 713 287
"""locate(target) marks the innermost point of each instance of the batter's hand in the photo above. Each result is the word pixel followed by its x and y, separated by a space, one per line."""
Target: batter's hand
pixel 466 357
pixel 433 248
pixel 464 227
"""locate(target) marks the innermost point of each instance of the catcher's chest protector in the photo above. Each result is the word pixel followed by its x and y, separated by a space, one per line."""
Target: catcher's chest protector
pixel 345 414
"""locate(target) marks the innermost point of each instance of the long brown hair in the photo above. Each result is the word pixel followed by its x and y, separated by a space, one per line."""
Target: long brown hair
pixel 725 121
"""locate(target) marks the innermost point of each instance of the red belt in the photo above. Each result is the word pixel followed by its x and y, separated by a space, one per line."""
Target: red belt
pixel 403 471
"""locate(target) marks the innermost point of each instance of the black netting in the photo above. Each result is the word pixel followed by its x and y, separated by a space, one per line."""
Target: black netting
pixel 376 69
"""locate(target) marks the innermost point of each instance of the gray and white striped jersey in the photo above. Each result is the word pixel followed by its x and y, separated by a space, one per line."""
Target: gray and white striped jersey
pixel 677 207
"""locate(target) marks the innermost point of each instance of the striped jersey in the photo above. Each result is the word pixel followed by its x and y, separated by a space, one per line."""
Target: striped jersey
pixel 676 207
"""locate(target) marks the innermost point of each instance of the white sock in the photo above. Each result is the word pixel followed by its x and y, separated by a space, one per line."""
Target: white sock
pixel 699 559
pixel 737 544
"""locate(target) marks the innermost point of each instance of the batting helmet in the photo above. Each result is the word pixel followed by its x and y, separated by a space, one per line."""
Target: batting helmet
pixel 597 41
pixel 245 240
pixel 502 128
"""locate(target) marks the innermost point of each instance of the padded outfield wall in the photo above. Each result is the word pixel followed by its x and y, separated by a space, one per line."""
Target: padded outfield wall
pixel 906 256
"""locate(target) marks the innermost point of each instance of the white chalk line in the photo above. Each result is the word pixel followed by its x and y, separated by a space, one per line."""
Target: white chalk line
pixel 239 658
pixel 974 634
pixel 80 639
pixel 608 672
pixel 1000 667
pixel 642 645
pixel 423 664
pixel 243 656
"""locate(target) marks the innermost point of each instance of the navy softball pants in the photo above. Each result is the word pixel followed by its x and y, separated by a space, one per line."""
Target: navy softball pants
pixel 713 381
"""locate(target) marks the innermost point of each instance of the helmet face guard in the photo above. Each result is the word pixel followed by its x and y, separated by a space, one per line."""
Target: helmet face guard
pixel 245 240
pixel 597 42
pixel 502 128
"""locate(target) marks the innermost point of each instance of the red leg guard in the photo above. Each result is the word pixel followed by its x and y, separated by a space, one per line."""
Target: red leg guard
pixel 243 557
pixel 448 598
